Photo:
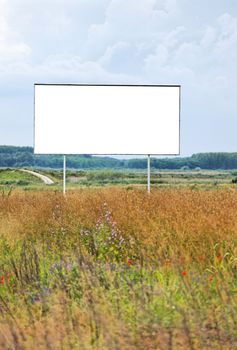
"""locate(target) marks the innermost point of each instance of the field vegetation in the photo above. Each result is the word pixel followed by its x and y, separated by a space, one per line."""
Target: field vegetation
pixel 76 179
pixel 13 177
pixel 116 268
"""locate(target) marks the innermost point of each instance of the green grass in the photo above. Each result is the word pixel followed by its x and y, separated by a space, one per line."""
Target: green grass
pixel 15 177
pixel 96 178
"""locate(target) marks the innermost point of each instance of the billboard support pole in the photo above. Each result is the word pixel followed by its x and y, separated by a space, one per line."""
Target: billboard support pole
pixel 64 175
pixel 149 174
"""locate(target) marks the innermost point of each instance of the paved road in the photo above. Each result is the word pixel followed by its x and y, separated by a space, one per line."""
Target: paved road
pixel 44 178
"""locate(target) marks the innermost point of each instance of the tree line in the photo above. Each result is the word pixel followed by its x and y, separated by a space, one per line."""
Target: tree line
pixel 12 156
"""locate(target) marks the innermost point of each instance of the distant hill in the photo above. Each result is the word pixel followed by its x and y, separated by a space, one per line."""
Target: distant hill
pixel 11 156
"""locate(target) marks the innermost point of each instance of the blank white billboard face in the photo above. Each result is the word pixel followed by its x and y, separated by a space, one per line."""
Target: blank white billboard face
pixel 105 119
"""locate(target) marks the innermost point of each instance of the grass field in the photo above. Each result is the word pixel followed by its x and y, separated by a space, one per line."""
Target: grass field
pixel 76 179
pixel 15 178
pixel 115 268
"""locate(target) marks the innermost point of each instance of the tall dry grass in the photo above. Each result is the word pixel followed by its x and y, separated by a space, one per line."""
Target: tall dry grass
pixel 118 269
pixel 188 222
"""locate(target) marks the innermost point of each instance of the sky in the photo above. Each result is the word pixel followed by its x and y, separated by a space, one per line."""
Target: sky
pixel 191 43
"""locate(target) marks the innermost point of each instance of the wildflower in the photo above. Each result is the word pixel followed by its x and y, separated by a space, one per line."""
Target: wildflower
pixel 201 258
pixel 112 267
pixel 54 267
pixel 2 279
pixel 129 262
pixel 184 273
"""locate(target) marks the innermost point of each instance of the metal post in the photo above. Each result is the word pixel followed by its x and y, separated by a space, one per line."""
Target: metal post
pixel 149 174
pixel 64 175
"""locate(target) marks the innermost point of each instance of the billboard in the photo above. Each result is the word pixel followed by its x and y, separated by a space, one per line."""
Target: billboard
pixel 107 119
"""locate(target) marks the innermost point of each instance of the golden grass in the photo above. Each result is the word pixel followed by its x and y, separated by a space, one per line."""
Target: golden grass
pixel 185 221
pixel 183 234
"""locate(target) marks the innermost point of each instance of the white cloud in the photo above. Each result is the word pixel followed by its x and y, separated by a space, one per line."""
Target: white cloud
pixel 157 59
pixel 123 41
pixel 11 49
pixel 208 37
pixel 132 21
pixel 128 38
pixel 73 69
